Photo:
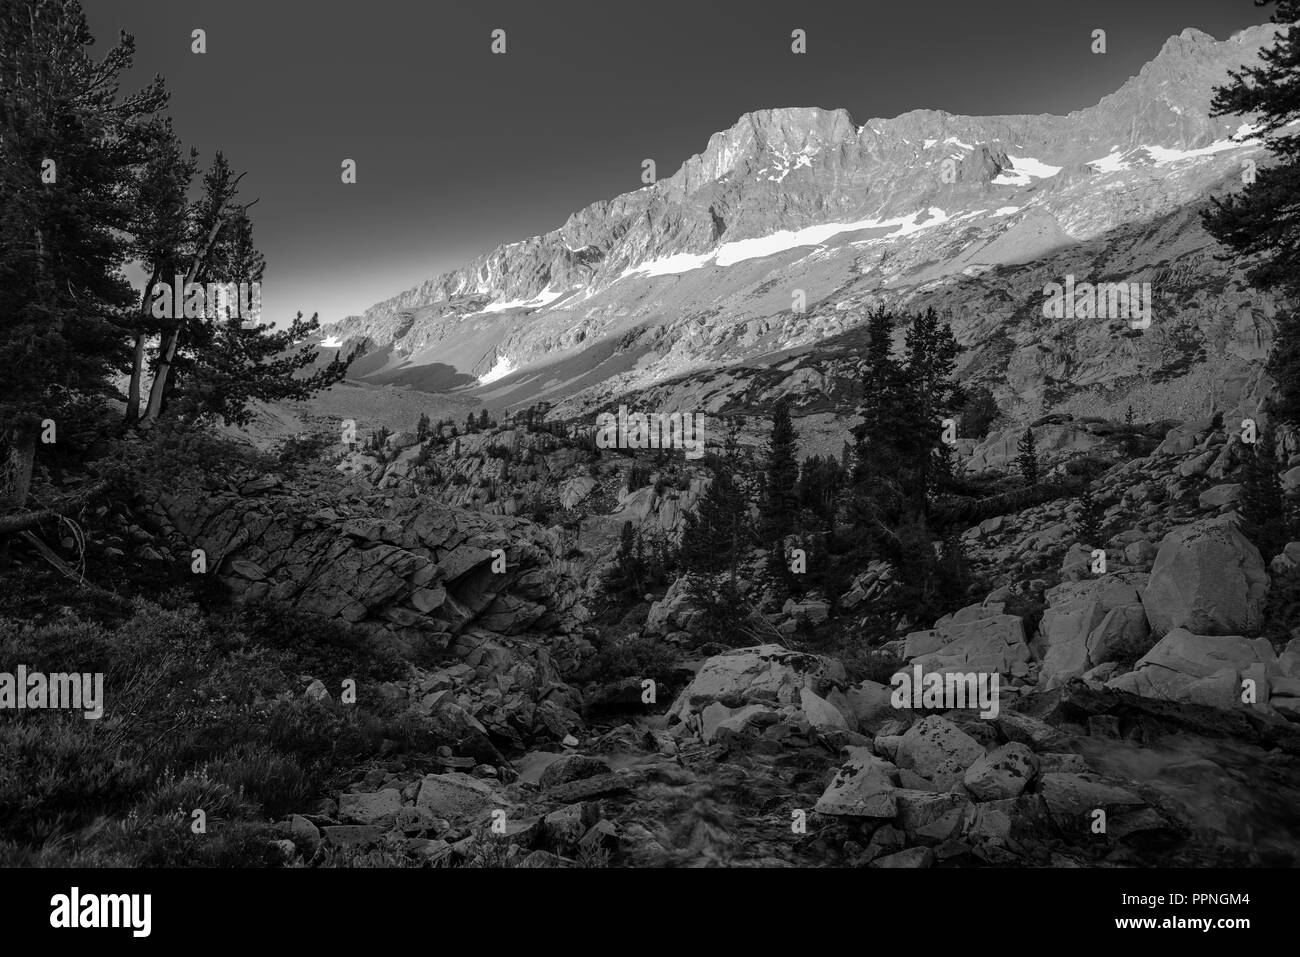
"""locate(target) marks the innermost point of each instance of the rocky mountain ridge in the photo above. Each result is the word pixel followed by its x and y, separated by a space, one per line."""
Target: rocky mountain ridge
pixel 973 215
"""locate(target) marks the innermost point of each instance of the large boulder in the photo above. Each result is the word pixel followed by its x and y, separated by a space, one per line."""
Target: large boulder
pixel 1087 622
pixel 820 712
pixel 989 645
pixel 867 705
pixel 1201 669
pixel 1208 578
pixel 674 612
pixel 379 808
pixel 1072 800
pixel 766 675
pixel 1184 437
pixel 1002 773
pixel 576 490
pixel 455 795
pixel 938 751
pixel 862 787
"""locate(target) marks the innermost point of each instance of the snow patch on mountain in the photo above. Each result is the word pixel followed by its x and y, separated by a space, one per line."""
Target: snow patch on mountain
pixel 502 368
pixel 543 298
pixel 731 253
pixel 1163 155
pixel 1024 170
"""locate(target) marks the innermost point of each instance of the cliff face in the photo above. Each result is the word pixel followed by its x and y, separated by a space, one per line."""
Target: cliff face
pixel 973 214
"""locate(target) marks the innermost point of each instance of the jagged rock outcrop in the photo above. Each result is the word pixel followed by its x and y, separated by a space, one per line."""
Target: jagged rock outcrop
pixel 411 570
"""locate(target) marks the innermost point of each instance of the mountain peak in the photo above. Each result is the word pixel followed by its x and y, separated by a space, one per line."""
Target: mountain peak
pixel 783 131
pixel 853 206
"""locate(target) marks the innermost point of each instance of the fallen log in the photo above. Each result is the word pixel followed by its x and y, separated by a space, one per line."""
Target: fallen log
pixel 22 521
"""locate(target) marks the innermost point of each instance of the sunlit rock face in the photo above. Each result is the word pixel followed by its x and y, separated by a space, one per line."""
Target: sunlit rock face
pixel 792 222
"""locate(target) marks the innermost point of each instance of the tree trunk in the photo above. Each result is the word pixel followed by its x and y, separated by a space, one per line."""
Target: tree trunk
pixel 133 391
pixel 22 457
pixel 16 480
pixel 137 362
pixel 170 339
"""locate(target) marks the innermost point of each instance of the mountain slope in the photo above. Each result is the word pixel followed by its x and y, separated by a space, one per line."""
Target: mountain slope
pixel 971 214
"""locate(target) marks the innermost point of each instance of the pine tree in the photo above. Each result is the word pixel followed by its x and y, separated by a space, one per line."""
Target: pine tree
pixel 882 401
pixel 1087 520
pixel 1259 221
pixel 919 595
pixel 781 499
pixel 1027 458
pixel 1266 516
pixel 820 481
pixel 239 365
pixel 716 532
pixel 715 538
pixel 931 394
pixel 953 571
pixel 1130 434
pixel 65 229
pixel 161 230
pixel 422 427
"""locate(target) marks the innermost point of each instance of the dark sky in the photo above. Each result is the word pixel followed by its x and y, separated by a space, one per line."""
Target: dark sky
pixel 459 150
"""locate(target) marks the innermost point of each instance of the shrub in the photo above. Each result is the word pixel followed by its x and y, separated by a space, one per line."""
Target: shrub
pixel 324 649
pixel 301 450
pixel 632 656
pixel 276 781
pixel 60 772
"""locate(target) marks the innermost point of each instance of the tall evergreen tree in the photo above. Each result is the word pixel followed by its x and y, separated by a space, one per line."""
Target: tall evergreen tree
pixel 1130 433
pixel 623 574
pixel 932 394
pixel 716 536
pixel 780 501
pixel 209 215
pixel 1027 457
pixel 1087 520
pixel 820 481
pixel 719 531
pixel 1266 517
pixel 1263 219
pixel 875 438
pixel 71 149
pixel 161 231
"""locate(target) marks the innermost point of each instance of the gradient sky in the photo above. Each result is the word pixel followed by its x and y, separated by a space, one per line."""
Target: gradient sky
pixel 459 150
